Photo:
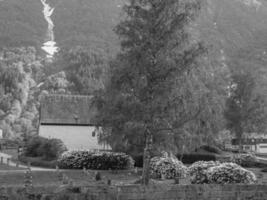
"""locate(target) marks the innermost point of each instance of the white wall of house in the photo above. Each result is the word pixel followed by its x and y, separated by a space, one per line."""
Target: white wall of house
pixel 262 148
pixel 74 137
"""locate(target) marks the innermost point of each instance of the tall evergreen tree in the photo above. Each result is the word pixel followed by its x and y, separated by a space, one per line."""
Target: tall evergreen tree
pixel 156 50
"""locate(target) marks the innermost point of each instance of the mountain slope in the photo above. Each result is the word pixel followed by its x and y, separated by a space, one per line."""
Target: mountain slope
pixel 236 31
pixel 87 23
pixel 21 23
pixel 231 24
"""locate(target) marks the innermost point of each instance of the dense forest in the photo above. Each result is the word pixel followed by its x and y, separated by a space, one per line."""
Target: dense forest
pixel 233 32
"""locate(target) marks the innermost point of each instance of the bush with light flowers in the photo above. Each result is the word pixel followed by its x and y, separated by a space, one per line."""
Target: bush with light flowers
pixel 245 160
pixel 198 171
pixel 167 167
pixel 230 173
pixel 95 160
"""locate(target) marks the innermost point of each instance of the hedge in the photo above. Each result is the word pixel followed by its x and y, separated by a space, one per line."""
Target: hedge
pixel 209 149
pixel 95 160
pixel 186 158
pixel 138 160
pixel 194 157
pixel 49 149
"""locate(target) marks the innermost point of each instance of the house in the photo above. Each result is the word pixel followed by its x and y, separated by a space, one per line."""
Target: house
pixel 70 118
pixel 256 145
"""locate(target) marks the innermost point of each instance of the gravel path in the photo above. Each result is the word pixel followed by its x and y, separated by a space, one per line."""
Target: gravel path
pixel 7 161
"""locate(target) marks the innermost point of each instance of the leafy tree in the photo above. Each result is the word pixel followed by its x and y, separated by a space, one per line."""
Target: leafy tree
pixel 18 66
pixel 245 107
pixel 85 69
pixel 56 83
pixel 156 51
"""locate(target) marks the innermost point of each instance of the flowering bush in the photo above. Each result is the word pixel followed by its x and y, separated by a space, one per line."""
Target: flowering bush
pixel 198 171
pixel 167 167
pixel 219 173
pixel 229 173
pixel 245 160
pixel 95 160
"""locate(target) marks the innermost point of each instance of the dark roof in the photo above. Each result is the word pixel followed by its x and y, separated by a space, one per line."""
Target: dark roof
pixel 67 110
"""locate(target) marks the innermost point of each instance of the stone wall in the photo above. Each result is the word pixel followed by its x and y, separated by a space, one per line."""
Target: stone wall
pixel 194 192
pixel 136 192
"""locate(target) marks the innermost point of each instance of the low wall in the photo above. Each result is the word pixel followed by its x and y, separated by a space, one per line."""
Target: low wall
pixel 137 192
pixel 194 192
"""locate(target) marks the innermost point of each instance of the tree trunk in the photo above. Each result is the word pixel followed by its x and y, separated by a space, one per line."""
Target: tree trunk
pixel 239 133
pixel 146 158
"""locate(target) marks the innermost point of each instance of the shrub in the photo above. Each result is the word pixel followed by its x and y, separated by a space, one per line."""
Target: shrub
pixel 168 167
pixel 198 171
pixel 194 157
pixel 49 149
pixel 219 173
pixel 209 149
pixel 229 173
pixel 245 160
pixel 138 160
pixel 264 170
pixel 33 146
pixel 52 149
pixel 95 160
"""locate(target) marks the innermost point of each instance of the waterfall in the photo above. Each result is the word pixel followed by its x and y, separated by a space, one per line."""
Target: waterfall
pixel 49 46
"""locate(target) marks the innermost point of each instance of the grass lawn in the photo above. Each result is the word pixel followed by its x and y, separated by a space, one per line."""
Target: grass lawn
pixel 7 168
pixel 11 152
pixel 52 178
pixel 17 178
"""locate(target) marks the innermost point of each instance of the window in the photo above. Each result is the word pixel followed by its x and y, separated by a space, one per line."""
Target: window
pixel 93 134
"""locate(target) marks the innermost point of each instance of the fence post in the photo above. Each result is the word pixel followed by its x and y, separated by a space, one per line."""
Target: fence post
pixel 29 165
pixel 28 179
pixel 8 160
pixel 84 170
